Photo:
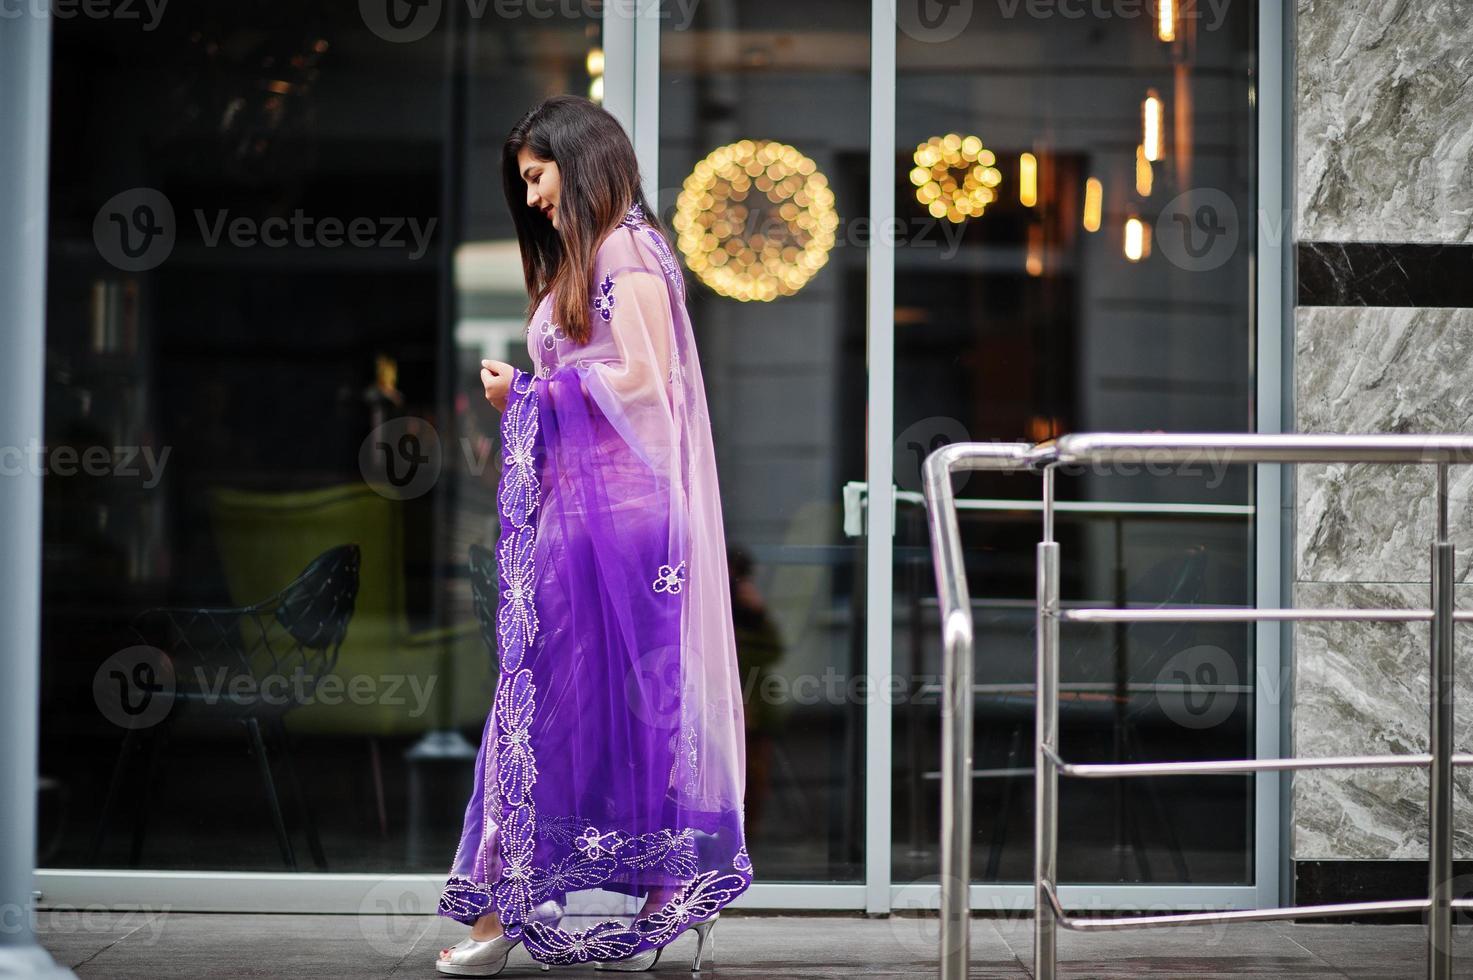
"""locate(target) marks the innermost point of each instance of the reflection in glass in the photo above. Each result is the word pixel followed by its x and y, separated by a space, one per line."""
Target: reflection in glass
pixel 785 382
pixel 279 249
pixel 1028 324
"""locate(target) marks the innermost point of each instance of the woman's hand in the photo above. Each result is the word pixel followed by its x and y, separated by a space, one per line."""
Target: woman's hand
pixel 496 376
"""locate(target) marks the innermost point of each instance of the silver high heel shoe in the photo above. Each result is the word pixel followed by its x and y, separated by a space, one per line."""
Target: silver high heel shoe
pixel 477 957
pixel 647 959
pixel 487 957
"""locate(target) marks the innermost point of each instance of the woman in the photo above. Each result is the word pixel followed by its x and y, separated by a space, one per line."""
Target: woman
pixel 612 757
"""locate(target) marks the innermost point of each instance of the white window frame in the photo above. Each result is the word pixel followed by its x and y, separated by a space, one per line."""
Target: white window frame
pixel 632 93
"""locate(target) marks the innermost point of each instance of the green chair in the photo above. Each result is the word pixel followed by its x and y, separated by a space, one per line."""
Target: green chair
pixel 264 538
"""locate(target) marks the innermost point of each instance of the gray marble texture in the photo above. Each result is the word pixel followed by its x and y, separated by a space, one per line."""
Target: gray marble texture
pixel 1384 109
pixel 1361 688
pixel 1380 370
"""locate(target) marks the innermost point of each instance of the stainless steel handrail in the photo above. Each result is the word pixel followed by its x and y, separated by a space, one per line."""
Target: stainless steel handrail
pixel 1218 449
pixel 956 696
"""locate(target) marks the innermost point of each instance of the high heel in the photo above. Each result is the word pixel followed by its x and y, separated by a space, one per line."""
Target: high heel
pixel 477 957
pixel 704 939
pixel 647 959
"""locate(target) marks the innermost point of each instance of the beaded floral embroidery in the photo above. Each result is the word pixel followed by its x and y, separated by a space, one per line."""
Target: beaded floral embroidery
pixel 669 579
pixel 604 301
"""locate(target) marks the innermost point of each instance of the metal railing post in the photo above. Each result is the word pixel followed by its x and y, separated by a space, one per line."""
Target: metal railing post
pixel 956 790
pixel 956 693
pixel 1045 775
pixel 1440 783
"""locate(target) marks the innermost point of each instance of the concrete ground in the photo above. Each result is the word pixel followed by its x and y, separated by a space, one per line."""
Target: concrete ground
pixel 160 945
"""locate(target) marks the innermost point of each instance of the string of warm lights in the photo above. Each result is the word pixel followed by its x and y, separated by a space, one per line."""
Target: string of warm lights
pixel 755 220
pixel 933 175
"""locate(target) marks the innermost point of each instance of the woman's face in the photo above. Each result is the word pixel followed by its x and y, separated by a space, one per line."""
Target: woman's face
pixel 544 183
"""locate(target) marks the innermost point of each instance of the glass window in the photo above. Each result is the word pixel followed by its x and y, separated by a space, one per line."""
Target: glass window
pixel 279 249
pixel 764 165
pixel 1076 182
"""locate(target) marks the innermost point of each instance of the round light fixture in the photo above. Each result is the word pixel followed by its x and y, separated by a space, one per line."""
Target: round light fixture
pixel 936 179
pixel 755 220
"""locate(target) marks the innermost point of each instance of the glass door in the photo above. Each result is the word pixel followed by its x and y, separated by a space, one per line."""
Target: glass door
pixel 1053 236
pixel 763 164
pixel 1071 190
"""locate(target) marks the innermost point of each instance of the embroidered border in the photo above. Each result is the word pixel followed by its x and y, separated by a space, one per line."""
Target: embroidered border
pixel 463 898
pixel 635 219
pixel 516 629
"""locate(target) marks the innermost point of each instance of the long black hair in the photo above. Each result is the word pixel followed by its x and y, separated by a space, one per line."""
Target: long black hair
pixel 600 180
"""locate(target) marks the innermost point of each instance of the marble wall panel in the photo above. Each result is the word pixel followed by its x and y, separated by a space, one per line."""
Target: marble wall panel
pixel 1384 120
pixel 1361 688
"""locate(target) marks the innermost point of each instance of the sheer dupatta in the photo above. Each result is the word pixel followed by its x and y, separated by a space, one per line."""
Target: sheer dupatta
pixel 613 755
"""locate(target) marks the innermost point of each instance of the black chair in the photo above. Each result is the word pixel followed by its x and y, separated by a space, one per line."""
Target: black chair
pixel 295 633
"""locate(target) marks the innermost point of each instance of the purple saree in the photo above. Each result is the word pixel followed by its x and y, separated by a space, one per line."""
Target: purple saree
pixel 613 756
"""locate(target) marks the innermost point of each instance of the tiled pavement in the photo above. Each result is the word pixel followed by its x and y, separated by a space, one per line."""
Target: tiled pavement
pixel 198 945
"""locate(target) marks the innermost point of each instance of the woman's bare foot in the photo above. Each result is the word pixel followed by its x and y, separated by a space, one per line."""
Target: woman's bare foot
pixel 487 927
